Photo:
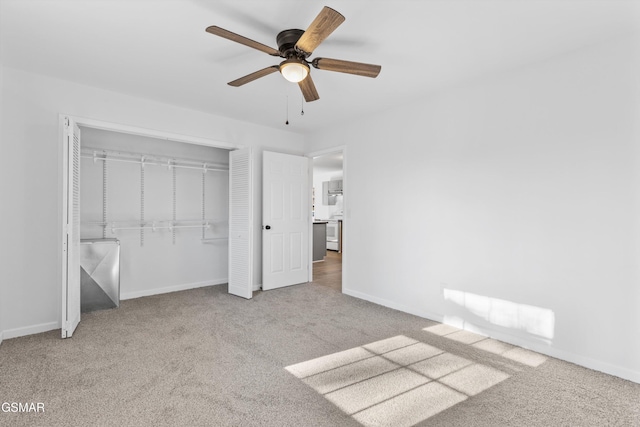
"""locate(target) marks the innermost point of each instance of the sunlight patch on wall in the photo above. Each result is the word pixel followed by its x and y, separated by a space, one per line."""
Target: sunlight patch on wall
pixel 398 381
pixel 534 320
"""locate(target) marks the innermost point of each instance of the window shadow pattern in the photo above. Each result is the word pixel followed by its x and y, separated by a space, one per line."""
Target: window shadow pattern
pixel 400 381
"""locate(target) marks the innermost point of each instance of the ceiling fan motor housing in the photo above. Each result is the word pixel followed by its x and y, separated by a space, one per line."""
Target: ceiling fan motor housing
pixel 287 40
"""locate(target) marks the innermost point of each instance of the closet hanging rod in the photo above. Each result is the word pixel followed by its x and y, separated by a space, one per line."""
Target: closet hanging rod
pixel 169 164
pixel 135 155
pixel 98 151
pixel 159 227
pixel 200 222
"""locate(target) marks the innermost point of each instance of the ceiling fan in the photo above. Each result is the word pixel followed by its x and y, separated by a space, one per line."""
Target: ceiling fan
pixel 295 46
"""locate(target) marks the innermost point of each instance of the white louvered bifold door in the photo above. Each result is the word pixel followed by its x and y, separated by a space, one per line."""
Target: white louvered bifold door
pixel 71 229
pixel 240 223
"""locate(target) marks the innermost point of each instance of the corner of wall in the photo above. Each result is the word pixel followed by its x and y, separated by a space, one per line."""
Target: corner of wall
pixel 1 128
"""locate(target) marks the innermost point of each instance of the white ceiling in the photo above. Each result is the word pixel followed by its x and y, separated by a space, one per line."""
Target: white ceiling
pixel 159 49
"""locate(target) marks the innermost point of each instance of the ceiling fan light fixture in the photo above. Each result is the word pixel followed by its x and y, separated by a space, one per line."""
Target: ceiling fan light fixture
pixel 294 70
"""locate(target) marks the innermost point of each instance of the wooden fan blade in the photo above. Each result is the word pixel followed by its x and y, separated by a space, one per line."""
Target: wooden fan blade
pixel 324 24
pixel 308 89
pixel 221 32
pixel 254 76
pixel 349 67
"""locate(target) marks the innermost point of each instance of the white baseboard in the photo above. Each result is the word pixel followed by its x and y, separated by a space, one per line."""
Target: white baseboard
pixel 1 336
pixel 596 365
pixel 548 350
pixel 174 288
pixel 30 330
pixel 393 304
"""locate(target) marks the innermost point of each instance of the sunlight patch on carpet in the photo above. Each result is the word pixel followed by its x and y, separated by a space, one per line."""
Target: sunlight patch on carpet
pixel 474 379
pixel 327 363
pixel 396 382
pixel 465 337
pixel 390 344
pixel 378 389
pixel 349 374
pixel 508 351
pixel 441 365
pixel 412 407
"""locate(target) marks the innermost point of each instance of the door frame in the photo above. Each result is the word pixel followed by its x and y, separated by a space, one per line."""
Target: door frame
pixel 345 207
pixel 113 127
pixel 152 133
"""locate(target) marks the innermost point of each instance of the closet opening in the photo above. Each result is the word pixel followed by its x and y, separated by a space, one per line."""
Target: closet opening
pixel 163 204
pixel 143 213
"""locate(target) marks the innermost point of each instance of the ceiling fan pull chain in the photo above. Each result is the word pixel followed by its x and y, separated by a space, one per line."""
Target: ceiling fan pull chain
pixel 302 105
pixel 287 105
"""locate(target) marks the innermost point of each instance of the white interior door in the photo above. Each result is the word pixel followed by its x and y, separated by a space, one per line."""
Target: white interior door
pixel 240 223
pixel 285 220
pixel 71 228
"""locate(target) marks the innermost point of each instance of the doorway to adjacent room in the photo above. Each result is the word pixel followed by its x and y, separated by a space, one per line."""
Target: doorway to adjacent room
pixel 328 207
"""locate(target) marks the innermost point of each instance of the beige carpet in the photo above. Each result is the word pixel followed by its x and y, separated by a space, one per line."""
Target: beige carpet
pixel 300 356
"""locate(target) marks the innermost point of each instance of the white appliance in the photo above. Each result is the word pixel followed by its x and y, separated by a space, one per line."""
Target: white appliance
pixel 334 233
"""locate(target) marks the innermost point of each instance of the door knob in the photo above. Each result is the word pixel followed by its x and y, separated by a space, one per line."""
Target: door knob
pixel 268 227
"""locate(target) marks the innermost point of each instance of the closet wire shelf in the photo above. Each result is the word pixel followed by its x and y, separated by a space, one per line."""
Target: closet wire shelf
pixel 143 224
pixel 158 225
pixel 170 163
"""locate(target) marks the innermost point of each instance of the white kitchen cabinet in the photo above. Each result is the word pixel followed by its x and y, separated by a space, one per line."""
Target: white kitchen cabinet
pixel 330 191
pixel 335 186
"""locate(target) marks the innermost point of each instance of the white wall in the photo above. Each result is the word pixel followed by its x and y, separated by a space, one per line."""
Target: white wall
pixel 2 186
pixel 159 264
pixel 517 195
pixel 30 163
pixel 324 211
